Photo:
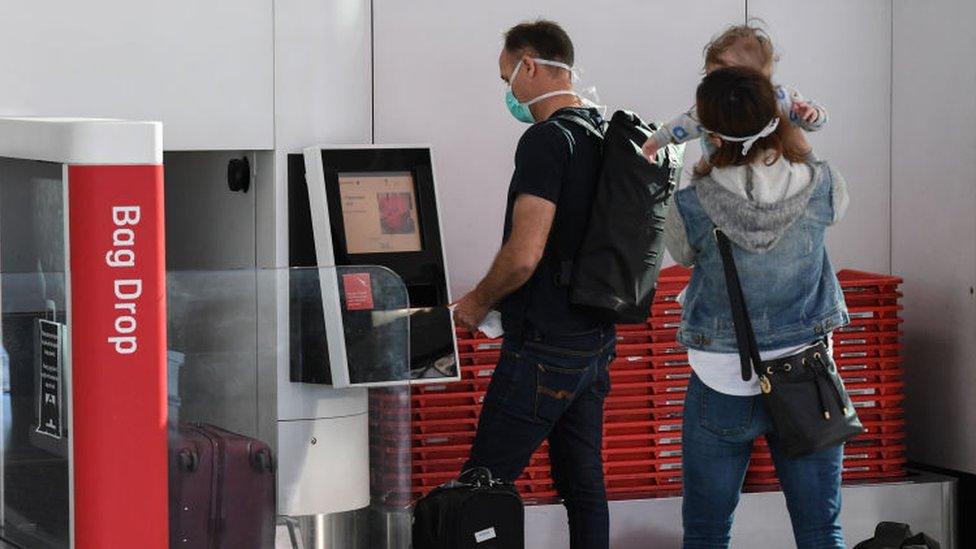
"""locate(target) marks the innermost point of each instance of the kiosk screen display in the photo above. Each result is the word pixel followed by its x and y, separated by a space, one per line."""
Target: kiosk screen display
pixel 379 212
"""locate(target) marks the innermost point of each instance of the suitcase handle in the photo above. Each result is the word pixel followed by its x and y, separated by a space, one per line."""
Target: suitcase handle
pixel 478 477
pixel 188 460
pixel 261 461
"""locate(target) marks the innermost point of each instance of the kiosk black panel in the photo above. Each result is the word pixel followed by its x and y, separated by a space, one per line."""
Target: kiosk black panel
pixel 381 209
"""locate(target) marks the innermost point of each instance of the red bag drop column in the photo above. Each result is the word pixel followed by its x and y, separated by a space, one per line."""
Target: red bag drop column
pixel 118 356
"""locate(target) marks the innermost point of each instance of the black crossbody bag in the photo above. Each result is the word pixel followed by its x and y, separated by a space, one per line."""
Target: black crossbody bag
pixel 810 409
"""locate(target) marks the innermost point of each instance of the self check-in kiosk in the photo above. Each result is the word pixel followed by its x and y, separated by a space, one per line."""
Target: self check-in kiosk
pixel 373 205
pixel 316 357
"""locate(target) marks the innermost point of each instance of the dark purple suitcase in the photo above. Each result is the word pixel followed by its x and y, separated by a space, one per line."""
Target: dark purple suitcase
pixel 222 490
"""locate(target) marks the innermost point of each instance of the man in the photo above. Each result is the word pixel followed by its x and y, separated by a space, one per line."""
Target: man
pixel 553 375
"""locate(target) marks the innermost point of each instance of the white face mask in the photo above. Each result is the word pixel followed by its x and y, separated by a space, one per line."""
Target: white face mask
pixel 750 140
pixel 521 110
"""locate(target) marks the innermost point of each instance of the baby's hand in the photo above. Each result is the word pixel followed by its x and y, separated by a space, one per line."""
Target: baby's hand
pixel 650 151
pixel 806 111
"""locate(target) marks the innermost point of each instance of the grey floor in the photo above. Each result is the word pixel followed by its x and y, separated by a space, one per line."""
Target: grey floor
pixel 927 502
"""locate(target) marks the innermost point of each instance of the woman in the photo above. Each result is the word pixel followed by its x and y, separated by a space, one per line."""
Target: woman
pixel 775 205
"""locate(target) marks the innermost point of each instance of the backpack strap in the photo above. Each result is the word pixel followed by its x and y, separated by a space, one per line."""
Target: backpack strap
pixel 581 121
pixel 564 273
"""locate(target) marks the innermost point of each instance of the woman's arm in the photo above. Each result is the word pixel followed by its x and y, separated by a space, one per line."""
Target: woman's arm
pixel 838 194
pixel 676 238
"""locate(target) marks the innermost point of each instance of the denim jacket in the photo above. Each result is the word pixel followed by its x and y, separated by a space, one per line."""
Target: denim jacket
pixel 791 292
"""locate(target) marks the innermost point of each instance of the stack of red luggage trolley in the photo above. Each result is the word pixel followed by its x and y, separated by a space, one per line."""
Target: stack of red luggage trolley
pixel 642 418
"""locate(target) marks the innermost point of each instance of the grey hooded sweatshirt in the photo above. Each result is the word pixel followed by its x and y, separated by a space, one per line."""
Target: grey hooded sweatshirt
pixel 755 204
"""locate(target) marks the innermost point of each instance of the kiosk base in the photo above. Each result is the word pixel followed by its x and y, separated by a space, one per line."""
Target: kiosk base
pixel 368 528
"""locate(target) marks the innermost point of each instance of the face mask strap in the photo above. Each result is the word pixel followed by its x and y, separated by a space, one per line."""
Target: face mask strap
pixel 544 96
pixel 548 95
pixel 559 64
pixel 511 79
pixel 750 140
pixel 574 76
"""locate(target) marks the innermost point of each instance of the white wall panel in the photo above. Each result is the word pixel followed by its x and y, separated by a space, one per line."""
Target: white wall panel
pixel 323 95
pixel 322 73
pixel 202 68
pixel 323 91
pixel 839 53
pixel 934 223
pixel 437 82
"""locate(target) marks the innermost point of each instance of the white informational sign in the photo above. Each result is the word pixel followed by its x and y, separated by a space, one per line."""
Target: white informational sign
pixel 50 416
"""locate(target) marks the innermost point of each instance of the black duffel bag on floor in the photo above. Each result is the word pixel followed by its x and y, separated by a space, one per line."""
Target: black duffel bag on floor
pixel 475 511
pixel 897 535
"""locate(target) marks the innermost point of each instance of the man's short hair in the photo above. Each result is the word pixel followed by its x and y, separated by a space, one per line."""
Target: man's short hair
pixel 546 38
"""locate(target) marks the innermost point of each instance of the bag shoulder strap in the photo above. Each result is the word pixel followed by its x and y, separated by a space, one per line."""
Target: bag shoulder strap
pixel 570 116
pixel 565 259
pixel 745 337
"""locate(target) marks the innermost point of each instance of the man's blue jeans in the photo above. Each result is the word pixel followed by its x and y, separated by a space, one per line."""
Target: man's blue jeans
pixel 717 441
pixel 552 388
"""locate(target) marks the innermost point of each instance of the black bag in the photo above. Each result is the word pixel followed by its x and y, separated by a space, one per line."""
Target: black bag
pixel 896 535
pixel 806 399
pixel 476 512
pixel 615 270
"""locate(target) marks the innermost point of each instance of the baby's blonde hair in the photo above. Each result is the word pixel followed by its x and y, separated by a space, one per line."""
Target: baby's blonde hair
pixel 749 42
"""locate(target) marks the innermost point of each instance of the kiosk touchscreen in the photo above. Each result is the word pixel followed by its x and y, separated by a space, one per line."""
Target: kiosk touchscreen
pixel 379 212
pixel 368 206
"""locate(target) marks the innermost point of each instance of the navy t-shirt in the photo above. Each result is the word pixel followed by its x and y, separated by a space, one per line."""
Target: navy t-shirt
pixel 559 161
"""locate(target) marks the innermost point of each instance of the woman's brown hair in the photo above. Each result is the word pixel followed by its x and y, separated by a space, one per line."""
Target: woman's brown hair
pixel 740 102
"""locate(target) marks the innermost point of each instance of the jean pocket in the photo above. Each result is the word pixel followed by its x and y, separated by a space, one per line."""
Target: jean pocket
pixel 555 389
pixel 726 415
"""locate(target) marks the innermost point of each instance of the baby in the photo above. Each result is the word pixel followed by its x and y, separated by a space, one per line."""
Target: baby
pixel 748 46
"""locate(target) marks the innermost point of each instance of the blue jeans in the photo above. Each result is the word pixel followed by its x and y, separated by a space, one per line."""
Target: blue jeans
pixel 552 388
pixel 716 444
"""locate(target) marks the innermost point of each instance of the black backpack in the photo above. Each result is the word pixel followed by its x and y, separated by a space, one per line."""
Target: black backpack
pixel 896 535
pixel 614 272
pixel 475 511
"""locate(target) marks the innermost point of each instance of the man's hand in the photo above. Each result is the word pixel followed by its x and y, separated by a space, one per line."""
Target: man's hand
pixel 650 151
pixel 805 111
pixel 469 311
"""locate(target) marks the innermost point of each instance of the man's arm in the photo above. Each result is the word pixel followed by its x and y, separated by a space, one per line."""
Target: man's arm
pixel 513 266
